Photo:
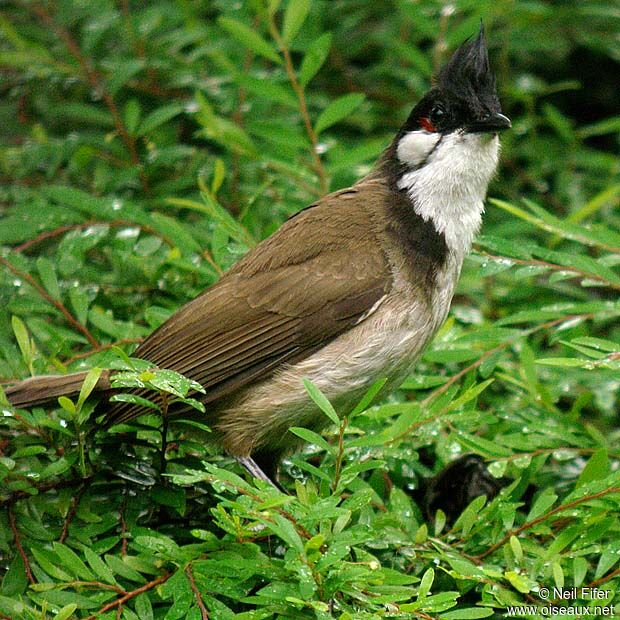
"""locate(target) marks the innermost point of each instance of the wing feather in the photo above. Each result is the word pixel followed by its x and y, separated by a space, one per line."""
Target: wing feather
pixel 318 275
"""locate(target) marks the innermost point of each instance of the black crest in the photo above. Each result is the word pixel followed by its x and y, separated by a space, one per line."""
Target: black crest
pixel 467 77
pixel 463 94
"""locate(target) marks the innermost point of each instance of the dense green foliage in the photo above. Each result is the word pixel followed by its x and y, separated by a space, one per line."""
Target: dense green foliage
pixel 145 147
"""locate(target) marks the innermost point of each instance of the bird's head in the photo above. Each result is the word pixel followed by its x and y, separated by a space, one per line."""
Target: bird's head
pixel 462 107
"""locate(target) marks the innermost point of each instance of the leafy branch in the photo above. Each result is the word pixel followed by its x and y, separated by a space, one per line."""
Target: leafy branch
pixel 54 302
pixel 303 106
pixel 530 524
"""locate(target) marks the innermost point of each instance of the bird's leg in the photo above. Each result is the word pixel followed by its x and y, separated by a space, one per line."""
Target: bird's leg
pixel 164 434
pixel 254 470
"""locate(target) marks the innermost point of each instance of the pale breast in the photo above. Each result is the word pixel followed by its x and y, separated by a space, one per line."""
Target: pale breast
pixel 386 344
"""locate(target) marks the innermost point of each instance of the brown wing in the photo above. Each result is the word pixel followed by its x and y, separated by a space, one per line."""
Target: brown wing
pixel 292 294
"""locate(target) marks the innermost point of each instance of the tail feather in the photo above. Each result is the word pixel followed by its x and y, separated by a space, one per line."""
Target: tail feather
pixel 45 389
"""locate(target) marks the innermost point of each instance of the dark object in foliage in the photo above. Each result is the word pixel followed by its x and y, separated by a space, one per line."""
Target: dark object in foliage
pixel 457 485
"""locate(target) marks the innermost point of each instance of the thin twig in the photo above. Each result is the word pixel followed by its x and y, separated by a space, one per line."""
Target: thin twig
pixel 551 266
pixel 103 347
pixel 486 355
pixel 504 345
pixel 75 502
pixel 49 234
pixel 138 42
pixel 123 599
pixel 605 578
pixel 96 584
pixel 529 524
pixel 54 302
pixel 121 513
pixel 43 488
pixel 95 80
pixel 237 116
pixel 204 614
pixel 303 107
pixel 18 545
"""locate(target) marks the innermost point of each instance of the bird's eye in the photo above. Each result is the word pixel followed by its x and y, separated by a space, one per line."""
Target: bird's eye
pixel 437 114
pixel 434 118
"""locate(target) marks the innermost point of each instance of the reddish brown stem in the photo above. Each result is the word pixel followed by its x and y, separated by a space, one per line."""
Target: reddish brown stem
pixel 18 545
pixel 529 524
pixel 123 524
pixel 487 354
pixel 54 302
pixel 103 347
pixel 605 578
pixel 95 80
pixel 50 234
pixel 127 597
pixel 75 501
pixel 303 107
pixel 204 614
pixel 579 273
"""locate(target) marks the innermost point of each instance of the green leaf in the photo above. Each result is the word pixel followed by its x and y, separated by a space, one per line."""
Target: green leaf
pixel 249 38
pixel 159 117
pixel 132 114
pixel 338 110
pixel 294 17
pixel 99 566
pixel 310 437
pixel 84 113
pixel 121 568
pixel 517 550
pixel 67 404
pixel 598 343
pixel 314 58
pixel 15 582
pixel 134 399
pixel 426 583
pixel 123 72
pixel 90 382
pixel 370 395
pixel 284 529
pixel 580 570
pixel 23 340
pixel 143 607
pixel 543 502
pixel 596 468
pixel 481 445
pixel 47 273
pixel 66 612
pixel 520 582
pixel 467 612
pixel 71 561
pixel 268 89
pixel 321 401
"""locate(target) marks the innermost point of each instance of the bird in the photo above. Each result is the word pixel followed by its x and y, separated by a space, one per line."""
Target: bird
pixel 346 292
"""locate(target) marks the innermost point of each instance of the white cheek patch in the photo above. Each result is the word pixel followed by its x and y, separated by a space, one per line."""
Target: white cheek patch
pixel 450 187
pixel 415 146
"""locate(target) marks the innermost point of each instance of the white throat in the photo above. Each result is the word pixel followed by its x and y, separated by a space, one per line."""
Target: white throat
pixel 448 181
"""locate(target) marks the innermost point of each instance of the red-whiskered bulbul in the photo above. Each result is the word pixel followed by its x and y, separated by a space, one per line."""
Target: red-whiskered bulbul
pixel 348 291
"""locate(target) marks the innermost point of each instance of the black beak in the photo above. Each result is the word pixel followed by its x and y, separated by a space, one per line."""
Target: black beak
pixel 491 124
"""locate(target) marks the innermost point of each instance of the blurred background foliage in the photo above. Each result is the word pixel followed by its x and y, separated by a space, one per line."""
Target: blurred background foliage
pixel 145 147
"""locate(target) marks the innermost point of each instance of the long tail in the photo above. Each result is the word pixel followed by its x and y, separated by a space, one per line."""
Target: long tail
pixel 45 389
